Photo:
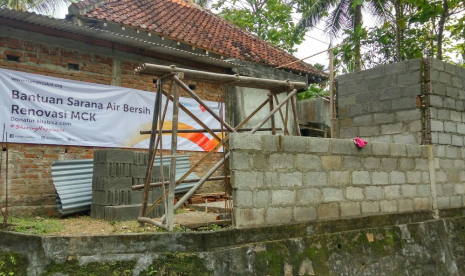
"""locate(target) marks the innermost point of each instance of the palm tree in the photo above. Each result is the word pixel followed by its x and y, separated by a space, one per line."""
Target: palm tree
pixel 40 6
pixel 340 15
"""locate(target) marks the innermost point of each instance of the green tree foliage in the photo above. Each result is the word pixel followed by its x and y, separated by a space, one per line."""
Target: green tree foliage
pixel 269 19
pixel 341 16
pixel 41 6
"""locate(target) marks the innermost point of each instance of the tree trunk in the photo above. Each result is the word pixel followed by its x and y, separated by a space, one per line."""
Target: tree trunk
pixel 442 21
pixel 358 22
pixel 399 38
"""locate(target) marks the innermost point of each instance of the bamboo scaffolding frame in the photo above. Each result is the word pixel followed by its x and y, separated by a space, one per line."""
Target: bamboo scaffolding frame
pixel 156 132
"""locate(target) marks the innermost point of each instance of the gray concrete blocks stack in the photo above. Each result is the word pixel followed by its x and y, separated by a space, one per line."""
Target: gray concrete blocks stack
pixel 115 172
pixel 305 179
pixel 380 103
pixel 447 103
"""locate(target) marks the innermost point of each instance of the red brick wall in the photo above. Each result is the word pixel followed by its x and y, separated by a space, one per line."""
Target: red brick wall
pixel 31 190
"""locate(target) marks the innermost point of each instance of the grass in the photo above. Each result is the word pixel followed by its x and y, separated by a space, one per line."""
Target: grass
pixel 36 225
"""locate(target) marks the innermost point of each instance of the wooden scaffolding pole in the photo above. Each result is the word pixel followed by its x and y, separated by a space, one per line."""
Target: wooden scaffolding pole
pixel 152 150
pixel 331 91
pixel 174 154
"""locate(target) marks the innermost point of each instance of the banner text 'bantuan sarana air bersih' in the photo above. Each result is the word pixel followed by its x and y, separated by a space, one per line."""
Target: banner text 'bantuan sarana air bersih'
pixel 46 110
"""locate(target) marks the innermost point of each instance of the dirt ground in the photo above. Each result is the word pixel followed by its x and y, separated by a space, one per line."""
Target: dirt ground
pixel 83 225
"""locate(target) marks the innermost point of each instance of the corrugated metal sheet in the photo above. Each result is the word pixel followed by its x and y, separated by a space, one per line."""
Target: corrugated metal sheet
pixel 73 182
pixel 68 26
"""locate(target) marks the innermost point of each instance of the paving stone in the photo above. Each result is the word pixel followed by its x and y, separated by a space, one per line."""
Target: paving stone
pixel 369 207
pixel 443 202
pixel 341 146
pixel 307 162
pixel 405 205
pixel 380 178
pixel 388 206
pixel 391 128
pixel 351 162
pixel 398 150
pixel 409 190
pixel 318 145
pixel 305 213
pixel 282 197
pixel 380 148
pixel 414 177
pixel 349 209
pixel 308 196
pixel 246 180
pixel 246 217
pixel 270 143
pixel 279 215
pixel 315 179
pixel 456 201
pixel 339 178
pixel 421 204
pixel 328 211
pixel 261 198
pixel 397 177
pixel 243 198
pixel 374 192
pixel 281 161
pixel 332 194
pixel 354 193
pixel 245 141
pixel 295 143
pixel 406 164
pixel 331 162
pixel 361 177
pixel 392 191
pixel 372 163
pixel 239 161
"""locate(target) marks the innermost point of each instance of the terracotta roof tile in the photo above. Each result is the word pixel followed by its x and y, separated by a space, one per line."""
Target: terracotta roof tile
pixel 192 24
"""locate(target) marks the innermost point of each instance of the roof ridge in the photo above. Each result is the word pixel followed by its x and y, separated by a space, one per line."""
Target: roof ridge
pixel 254 36
pixel 82 7
pixel 188 22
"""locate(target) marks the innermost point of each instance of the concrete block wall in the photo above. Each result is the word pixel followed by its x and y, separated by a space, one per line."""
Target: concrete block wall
pixel 446 103
pixel 381 103
pixel 449 163
pixel 288 180
pixel 115 171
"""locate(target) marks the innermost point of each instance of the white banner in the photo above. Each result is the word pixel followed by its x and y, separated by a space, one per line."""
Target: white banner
pixel 45 110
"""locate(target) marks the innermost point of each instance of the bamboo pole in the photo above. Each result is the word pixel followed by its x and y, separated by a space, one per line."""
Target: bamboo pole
pixel 200 101
pixel 296 116
pixel 286 131
pixel 152 221
pixel 211 152
pixel 331 90
pixel 143 132
pixel 273 124
pixel 302 59
pixel 197 120
pixel 217 78
pixel 164 183
pixel 174 155
pixel 152 151
pixel 267 117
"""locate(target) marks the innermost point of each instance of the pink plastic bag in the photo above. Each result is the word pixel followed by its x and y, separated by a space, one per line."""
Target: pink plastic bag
pixel 360 142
